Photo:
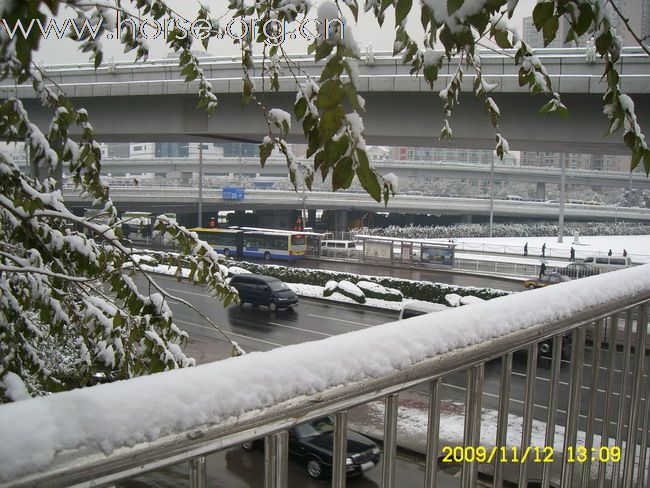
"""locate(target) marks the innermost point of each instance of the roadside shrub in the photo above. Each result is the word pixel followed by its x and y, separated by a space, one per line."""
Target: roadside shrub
pixel 350 290
pixel 375 290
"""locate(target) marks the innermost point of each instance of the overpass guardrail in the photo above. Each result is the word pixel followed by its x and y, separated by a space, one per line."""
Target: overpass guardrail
pixel 92 437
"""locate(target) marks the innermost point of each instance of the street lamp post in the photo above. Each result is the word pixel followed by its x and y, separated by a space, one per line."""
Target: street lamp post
pixel 200 217
pixel 560 230
pixel 491 194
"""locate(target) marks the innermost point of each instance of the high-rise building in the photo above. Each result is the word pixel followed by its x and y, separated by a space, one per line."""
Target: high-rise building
pixel 469 156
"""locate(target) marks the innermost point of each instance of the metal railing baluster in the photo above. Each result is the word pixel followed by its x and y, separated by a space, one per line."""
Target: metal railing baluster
pixel 340 449
pixel 502 420
pixel 390 441
pixel 611 372
pixel 433 431
pixel 620 424
pixel 472 433
pixel 632 431
pixel 573 409
pixel 593 394
pixel 270 463
pixel 551 417
pixel 529 402
pixel 644 436
pixel 198 474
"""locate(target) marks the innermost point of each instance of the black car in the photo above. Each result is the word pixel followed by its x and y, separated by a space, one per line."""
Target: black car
pixel 312 444
pixel 263 290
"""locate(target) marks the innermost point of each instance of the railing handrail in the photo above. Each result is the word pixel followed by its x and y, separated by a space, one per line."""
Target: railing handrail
pixel 435 345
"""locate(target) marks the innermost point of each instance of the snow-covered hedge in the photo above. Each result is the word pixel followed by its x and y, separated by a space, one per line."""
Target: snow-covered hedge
pixel 375 290
pixel 507 230
pixel 350 290
pixel 419 290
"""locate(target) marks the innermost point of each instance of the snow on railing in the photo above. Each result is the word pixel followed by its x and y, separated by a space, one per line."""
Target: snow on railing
pixel 113 431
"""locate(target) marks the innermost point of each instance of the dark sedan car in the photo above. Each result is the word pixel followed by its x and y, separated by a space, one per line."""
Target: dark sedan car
pixel 311 443
pixel 263 290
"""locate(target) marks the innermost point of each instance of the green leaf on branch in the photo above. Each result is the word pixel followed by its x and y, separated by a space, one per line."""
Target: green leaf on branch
pixel 330 123
pixel 550 30
pixel 300 108
pixel 402 10
pixel 330 94
pixel 453 5
pixel 542 13
pixel 265 151
pixel 501 38
pixel 343 174
pixel 367 176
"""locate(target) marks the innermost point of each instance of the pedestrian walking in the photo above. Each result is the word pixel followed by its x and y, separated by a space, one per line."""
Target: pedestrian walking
pixel 544 250
pixel 609 253
pixel 526 249
pixel 542 270
pixel 624 253
pixel 572 254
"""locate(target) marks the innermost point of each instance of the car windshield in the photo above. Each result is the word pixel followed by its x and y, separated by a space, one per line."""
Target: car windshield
pixel 316 427
pixel 277 285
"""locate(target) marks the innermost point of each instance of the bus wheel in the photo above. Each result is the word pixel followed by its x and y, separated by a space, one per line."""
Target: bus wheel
pixel 226 252
pixel 267 256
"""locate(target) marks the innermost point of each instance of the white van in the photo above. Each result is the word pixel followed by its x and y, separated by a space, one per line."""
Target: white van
pixel 608 263
pixel 413 309
pixel 338 248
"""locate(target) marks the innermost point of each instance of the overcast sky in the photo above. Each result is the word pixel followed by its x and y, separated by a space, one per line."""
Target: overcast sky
pixel 55 51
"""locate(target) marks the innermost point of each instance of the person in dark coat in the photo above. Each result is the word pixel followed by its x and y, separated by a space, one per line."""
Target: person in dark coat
pixel 609 253
pixel 542 270
pixel 526 249
pixel 624 253
pixel 544 250
pixel 572 254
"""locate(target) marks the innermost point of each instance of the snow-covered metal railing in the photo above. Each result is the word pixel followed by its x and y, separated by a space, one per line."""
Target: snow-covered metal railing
pixel 99 435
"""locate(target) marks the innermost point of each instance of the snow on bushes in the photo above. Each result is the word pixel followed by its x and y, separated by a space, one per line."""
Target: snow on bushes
pixel 330 287
pixel 507 230
pixel 419 290
pixel 350 290
pixel 375 290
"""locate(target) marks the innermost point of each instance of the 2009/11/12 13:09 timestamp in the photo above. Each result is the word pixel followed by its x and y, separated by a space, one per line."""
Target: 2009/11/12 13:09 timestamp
pixel 533 454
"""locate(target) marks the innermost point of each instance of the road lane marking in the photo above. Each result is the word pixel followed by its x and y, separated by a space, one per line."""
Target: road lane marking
pixel 359 324
pixel 300 329
pixel 228 333
pixel 515 400
pixel 204 295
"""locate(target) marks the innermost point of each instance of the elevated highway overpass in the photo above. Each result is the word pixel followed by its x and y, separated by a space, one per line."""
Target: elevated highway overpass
pixel 403 169
pixel 151 102
pixel 185 199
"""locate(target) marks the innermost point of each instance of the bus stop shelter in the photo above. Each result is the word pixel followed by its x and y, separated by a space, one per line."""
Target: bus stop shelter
pixel 379 249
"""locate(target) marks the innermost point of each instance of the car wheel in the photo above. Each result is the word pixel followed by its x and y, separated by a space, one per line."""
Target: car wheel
pixel 314 468
pixel 267 256
pixel 273 306
pixel 248 446
pixel 226 252
pixel 531 287
pixel 544 348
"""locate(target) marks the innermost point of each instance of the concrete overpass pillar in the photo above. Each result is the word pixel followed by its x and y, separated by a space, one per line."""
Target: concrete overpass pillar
pixel 311 218
pixel 341 221
pixel 540 194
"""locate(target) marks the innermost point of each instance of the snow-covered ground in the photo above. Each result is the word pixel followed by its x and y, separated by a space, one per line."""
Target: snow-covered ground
pixel 638 247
